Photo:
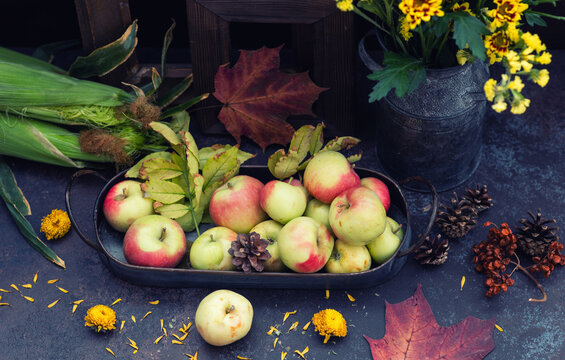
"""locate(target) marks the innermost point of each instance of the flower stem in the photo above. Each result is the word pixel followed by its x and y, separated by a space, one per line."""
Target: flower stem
pixel 525 271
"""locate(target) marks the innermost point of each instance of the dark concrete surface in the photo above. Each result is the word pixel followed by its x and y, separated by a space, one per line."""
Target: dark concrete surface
pixel 522 165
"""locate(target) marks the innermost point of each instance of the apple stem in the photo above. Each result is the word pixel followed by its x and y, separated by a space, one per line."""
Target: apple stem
pixel 163 231
pixel 230 309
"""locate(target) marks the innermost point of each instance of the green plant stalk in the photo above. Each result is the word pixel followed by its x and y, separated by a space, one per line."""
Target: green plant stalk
pixel 556 17
pixel 364 16
pixel 425 55
pixel 441 45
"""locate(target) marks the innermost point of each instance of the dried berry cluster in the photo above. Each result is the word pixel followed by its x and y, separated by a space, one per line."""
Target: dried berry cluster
pixel 492 257
pixel 547 263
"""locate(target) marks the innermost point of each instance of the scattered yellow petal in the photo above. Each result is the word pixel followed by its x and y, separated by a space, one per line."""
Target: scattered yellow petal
pixel 115 302
pixel 327 294
pixel 52 281
pixel 77 302
pixel 6 291
pixel 293 326
pixel 273 329
pixel 122 325
pixel 158 339
pixel 275 342
pixel 35 277
pixel 286 315
pixel 165 331
pixel 133 344
pixel 193 357
pixel 30 299
pixel 27 286
pixel 110 351
pixel 243 358
pixel 62 290
pixel 5 304
pixel 134 351
pixel 301 353
pixel 146 315
pixel 283 355
pixel 176 342
pixel 462 282
pixel 161 324
pixel 307 325
pixel 133 319
pixel 188 326
pixel 183 337
pixel 154 302
pixel 74 308
pixel 178 338
pixel 351 298
pixel 498 328
pixel 53 303
pixel 15 287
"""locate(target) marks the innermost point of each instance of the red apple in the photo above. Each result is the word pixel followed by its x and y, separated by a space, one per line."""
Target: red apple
pixel 154 240
pixel 305 245
pixel 329 174
pixel 235 204
pixel 124 203
pixel 282 201
pixel 357 216
pixel 379 187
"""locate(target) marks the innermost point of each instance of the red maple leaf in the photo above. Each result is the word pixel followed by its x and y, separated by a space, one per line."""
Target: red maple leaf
pixel 413 333
pixel 257 98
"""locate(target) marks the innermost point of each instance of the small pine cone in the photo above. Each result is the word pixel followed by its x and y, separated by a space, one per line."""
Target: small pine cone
pixel 479 198
pixel 456 220
pixel 249 252
pixel 535 235
pixel 432 252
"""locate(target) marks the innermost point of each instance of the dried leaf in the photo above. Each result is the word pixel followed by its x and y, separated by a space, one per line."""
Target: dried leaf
pixel 413 333
pixel 258 98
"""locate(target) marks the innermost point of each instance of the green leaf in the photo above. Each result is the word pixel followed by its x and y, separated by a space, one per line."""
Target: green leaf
pixel 105 59
pixel 468 31
pixel 149 89
pixel 10 191
pixel 165 192
pixel 198 181
pixel 341 143
pixel 401 72
pixel 354 158
pixel 133 172
pixel 47 52
pixel 183 106
pixel 166 132
pixel 534 19
pixel 14 57
pixel 283 165
pixel 172 94
pixel 300 142
pixel 317 139
pixel 219 168
pixel 180 121
pixel 192 160
pixel 172 211
pixel 215 150
pixel 160 169
pixel 166 43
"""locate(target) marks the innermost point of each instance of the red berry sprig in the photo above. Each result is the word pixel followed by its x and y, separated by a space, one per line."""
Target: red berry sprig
pixel 548 262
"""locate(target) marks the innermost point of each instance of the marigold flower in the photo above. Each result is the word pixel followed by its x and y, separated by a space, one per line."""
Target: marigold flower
pixel 100 317
pixel 507 11
pixel 544 58
pixel 497 45
pixel 500 105
pixel 519 105
pixel 329 322
pixel 463 56
pixel 540 77
pixel 462 7
pixel 417 11
pixel 533 41
pixel 490 89
pixel 516 84
pixel 345 5
pixel 56 224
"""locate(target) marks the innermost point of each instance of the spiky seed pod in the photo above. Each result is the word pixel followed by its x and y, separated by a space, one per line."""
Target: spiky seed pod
pixel 479 198
pixel 535 235
pixel 432 251
pixel 456 220
pixel 249 252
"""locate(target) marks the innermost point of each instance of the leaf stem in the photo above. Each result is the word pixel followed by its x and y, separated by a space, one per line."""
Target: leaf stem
pixel 547 15
pixel 525 271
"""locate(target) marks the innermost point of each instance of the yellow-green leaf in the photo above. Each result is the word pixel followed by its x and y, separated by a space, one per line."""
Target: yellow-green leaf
pixel 192 160
pixel 317 139
pixel 163 191
pixel 198 181
pixel 207 152
pixel 158 168
pixel 354 158
pixel 218 168
pixel 340 143
pixel 173 211
pixel 133 172
pixel 287 164
pixel 166 132
pixel 300 142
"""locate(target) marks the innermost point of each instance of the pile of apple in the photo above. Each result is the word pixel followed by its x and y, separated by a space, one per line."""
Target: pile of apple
pixel 300 221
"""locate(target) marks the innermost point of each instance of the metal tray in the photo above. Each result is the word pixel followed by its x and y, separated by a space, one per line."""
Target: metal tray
pixel 108 244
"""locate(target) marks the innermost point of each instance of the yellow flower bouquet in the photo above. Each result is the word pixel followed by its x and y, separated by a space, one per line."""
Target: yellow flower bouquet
pixel 422 34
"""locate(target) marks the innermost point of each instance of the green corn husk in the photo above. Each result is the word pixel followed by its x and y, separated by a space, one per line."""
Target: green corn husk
pixel 22 86
pixel 15 57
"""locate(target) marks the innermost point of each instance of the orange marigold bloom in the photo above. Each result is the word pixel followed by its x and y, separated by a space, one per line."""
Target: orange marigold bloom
pixel 417 11
pixel 507 11
pixel 497 45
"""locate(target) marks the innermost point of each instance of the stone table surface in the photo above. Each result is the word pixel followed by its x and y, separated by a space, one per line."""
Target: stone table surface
pixel 522 164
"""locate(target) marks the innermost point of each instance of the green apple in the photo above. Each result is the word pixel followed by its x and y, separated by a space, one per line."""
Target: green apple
pixel 384 246
pixel 282 201
pixel 269 230
pixel 347 258
pixel 223 317
pixel 319 211
pixel 124 203
pixel 210 250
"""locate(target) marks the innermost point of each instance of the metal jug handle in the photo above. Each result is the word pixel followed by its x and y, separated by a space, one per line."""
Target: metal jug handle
pixel 365 57
pixel 433 214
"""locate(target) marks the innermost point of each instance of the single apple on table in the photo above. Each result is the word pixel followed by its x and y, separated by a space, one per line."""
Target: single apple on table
pixel 319 211
pixel 329 174
pixel 154 240
pixel 347 258
pixel 305 244
pixel 210 250
pixel 384 246
pixel 124 203
pixel 282 201
pixel 269 230
pixel 223 317
pixel 235 204
pixel 380 188
pixel 357 216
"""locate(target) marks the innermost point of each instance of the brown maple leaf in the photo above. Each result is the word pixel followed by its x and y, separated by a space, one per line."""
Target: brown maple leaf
pixel 413 333
pixel 257 98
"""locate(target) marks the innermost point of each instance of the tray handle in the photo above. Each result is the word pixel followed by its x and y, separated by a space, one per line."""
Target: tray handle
pixel 433 214
pixel 68 189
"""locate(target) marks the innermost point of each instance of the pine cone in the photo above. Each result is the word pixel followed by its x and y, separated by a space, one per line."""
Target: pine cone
pixel 249 252
pixel 534 236
pixel 479 198
pixel 456 220
pixel 432 252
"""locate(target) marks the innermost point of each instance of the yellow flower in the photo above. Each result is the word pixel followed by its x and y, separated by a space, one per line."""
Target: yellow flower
pixel 533 41
pixel 540 77
pixel 405 28
pixel 463 56
pixel 329 322
pixel 56 224
pixel 417 11
pixel 100 317
pixel 516 84
pixel 463 7
pixel 544 58
pixel 500 105
pixel 519 105
pixel 490 89
pixel 514 61
pixel 497 45
pixel 345 5
pixel 507 11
